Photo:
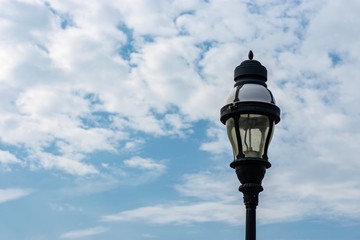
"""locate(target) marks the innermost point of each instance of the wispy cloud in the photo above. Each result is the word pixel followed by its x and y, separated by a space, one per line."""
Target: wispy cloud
pixel 83 233
pixel 140 170
pixel 180 214
pixel 64 207
pixel 145 164
pixel 8 158
pixel 12 194
pixel 204 186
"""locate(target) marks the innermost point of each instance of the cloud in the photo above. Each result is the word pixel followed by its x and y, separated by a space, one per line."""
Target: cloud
pixel 64 207
pixel 218 142
pixel 133 145
pixel 12 194
pixel 95 183
pixel 68 92
pixel 208 199
pixel 62 86
pixel 83 233
pixel 68 165
pixel 179 214
pixel 8 158
pixel 203 185
pixel 145 164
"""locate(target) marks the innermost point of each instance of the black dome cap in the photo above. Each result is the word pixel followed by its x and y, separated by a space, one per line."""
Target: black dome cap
pixel 250 69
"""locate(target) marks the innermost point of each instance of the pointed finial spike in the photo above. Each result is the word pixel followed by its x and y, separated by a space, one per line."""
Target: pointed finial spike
pixel 251 55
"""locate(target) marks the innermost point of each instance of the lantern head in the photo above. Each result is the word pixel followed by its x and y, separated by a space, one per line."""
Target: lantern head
pixel 250 114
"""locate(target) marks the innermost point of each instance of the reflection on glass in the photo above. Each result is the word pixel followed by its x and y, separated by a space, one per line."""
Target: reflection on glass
pixel 230 128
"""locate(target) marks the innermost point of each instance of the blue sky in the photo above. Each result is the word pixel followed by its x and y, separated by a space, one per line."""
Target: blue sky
pixel 109 118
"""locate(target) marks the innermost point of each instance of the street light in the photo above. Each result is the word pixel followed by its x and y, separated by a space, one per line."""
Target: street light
pixel 250 115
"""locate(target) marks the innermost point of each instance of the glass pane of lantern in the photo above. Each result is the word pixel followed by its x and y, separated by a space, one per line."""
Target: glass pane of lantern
pixel 230 128
pixel 254 129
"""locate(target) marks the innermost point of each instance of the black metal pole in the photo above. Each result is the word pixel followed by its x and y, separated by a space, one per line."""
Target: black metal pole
pixel 250 229
pixel 251 200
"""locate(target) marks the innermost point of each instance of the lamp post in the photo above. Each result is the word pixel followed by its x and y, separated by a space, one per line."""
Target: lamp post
pixel 250 115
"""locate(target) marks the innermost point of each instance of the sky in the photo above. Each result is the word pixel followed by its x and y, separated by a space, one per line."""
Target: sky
pixel 109 118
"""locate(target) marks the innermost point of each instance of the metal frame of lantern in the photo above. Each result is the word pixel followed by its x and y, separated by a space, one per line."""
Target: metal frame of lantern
pixel 250 116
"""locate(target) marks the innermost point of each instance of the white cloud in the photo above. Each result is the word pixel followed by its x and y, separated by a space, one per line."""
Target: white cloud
pixel 180 214
pixel 134 144
pixel 210 199
pixel 83 233
pixel 147 18
pixel 12 194
pixel 219 143
pixel 205 186
pixel 95 183
pixel 71 165
pixel 8 158
pixel 139 170
pixel 54 69
pixel 68 92
pixel 145 164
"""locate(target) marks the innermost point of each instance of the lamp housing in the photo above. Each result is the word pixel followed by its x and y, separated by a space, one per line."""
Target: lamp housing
pixel 250 115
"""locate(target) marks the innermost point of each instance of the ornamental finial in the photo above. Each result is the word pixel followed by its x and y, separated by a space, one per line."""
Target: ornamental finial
pixel 251 55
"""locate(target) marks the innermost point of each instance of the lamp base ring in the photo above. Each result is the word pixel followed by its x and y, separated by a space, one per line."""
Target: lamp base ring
pixel 250 161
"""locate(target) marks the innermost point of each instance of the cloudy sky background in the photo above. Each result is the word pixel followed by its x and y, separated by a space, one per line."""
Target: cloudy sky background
pixel 109 118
